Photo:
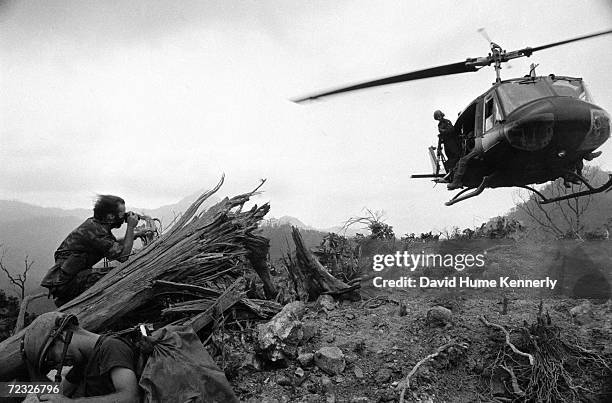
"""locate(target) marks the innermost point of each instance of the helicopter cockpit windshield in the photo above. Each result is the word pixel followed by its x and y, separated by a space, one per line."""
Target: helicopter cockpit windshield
pixel 517 93
pixel 570 87
pixel 514 94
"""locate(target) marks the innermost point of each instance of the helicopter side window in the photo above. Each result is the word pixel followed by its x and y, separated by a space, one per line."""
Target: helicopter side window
pixel 491 113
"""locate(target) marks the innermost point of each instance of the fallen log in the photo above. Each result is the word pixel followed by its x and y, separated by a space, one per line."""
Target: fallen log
pixel 206 250
pixel 310 277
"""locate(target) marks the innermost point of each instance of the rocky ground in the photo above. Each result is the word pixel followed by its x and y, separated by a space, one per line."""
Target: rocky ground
pixel 361 351
pixel 378 348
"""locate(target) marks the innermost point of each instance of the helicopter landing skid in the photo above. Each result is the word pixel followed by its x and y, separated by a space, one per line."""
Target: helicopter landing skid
pixel 590 190
pixel 475 192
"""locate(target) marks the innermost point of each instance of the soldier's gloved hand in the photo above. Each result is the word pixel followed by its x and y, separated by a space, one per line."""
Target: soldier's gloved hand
pixel 132 219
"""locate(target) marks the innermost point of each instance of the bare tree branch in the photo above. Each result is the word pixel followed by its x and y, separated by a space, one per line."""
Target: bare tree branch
pixel 561 218
pixel 18 281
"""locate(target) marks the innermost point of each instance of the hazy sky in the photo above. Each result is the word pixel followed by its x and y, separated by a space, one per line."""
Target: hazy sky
pixel 154 100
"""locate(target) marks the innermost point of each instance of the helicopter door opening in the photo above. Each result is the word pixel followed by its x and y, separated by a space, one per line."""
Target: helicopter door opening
pixel 464 127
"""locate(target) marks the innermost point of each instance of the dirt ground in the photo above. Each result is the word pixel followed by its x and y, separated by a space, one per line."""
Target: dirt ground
pixel 381 346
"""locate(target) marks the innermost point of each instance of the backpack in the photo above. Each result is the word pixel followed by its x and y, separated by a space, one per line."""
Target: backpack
pixel 174 366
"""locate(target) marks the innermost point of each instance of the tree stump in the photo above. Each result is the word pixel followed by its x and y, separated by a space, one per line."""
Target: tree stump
pixel 310 277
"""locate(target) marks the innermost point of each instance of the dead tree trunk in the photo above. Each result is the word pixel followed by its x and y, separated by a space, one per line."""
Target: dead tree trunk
pixel 309 276
pixel 204 250
pixel 24 309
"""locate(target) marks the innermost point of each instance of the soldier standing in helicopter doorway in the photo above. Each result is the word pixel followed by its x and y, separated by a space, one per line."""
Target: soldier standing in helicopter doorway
pixel 450 140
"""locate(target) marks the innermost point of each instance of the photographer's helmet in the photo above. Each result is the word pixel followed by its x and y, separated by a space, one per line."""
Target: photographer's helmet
pixel 438 115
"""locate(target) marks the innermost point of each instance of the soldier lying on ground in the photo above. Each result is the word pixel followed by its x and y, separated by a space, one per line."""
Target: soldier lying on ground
pixel 102 366
pixel 87 245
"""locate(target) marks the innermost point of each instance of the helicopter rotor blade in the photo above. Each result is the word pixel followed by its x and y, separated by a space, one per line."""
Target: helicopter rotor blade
pixel 497 56
pixel 550 45
pixel 444 70
pixel 484 34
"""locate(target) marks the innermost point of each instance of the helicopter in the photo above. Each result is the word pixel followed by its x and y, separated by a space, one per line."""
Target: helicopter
pixel 523 131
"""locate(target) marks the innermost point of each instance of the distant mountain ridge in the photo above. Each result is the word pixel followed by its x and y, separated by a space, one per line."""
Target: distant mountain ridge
pixel 289 220
pixel 286 220
pixel 13 210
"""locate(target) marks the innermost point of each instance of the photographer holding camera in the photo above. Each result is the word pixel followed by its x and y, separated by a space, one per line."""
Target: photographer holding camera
pixel 86 245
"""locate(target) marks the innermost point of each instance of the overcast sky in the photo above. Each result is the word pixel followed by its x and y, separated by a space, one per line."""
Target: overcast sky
pixel 154 100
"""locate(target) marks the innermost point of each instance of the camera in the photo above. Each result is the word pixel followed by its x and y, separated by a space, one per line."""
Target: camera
pixel 127 214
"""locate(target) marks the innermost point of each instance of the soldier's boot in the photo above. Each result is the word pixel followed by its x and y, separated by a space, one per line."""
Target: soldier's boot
pixel 454 185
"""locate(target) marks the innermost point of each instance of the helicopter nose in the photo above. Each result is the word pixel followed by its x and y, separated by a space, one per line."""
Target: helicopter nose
pixel 574 124
pixel 531 127
pixel 599 132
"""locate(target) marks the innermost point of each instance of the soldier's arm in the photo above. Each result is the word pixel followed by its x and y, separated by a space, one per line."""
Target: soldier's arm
pixel 124 382
pixel 128 239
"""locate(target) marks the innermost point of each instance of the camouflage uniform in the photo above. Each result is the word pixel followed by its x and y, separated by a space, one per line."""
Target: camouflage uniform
pixel 452 147
pixel 78 253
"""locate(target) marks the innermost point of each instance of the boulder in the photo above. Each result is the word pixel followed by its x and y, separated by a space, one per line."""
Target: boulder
pixel 278 339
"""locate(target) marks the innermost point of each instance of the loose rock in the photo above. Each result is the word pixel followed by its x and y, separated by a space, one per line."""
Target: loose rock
pixel 326 302
pixel 358 372
pixel 439 315
pixel 306 359
pixel 330 360
pixel 326 383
